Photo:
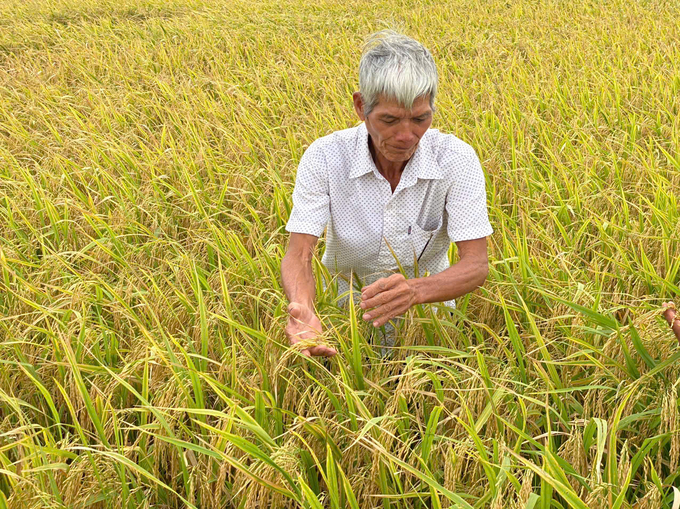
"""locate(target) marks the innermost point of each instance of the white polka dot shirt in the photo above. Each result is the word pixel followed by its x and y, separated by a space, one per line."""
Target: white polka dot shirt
pixel 441 198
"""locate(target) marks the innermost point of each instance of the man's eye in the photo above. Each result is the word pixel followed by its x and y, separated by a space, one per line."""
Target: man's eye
pixel 419 120
pixel 389 121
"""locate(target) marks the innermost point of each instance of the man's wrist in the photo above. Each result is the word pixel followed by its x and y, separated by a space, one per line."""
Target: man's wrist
pixel 417 289
pixel 302 303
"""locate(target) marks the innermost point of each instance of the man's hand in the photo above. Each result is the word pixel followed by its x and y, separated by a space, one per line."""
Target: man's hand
pixel 390 297
pixel 303 324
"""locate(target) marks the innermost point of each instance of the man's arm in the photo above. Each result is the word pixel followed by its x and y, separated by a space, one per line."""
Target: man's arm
pixel 297 277
pixel 394 295
pixel 310 214
pixel 298 283
pixel 460 279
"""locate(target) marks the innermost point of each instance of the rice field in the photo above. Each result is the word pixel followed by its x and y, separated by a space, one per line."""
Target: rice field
pixel 148 152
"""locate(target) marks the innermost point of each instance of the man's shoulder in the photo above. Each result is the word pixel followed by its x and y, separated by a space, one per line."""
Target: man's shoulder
pixel 334 153
pixel 448 149
pixel 343 139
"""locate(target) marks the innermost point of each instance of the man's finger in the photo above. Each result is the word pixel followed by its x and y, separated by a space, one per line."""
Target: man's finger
pixel 382 314
pixel 319 351
pixel 390 304
pixel 373 289
pixel 323 351
pixel 379 286
pixel 379 300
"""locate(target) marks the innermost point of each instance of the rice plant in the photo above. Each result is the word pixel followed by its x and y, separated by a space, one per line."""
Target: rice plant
pixel 147 157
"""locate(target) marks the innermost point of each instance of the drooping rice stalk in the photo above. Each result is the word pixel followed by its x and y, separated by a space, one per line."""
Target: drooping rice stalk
pixel 147 159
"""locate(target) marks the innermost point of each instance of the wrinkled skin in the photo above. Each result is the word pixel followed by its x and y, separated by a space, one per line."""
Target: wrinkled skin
pixel 304 324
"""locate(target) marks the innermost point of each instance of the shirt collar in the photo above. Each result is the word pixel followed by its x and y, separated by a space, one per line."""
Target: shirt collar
pixel 422 164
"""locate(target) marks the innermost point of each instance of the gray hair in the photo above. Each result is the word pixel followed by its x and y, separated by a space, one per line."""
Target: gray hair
pixel 397 67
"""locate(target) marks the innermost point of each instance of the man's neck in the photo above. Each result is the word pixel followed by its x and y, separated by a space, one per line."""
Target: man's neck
pixel 391 170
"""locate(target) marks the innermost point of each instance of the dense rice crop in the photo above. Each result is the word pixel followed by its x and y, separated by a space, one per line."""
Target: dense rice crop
pixel 147 157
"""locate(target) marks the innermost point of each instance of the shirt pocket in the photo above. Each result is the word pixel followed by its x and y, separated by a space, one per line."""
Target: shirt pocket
pixel 413 243
pixel 422 240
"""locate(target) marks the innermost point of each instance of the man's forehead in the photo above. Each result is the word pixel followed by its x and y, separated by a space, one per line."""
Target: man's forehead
pixel 391 107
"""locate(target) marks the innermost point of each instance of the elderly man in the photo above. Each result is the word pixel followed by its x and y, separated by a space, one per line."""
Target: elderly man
pixel 392 193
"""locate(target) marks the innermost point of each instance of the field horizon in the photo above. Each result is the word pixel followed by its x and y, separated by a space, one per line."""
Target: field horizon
pixel 148 152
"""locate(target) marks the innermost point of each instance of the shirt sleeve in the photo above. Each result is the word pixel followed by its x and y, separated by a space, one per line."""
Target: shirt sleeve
pixel 468 218
pixel 311 198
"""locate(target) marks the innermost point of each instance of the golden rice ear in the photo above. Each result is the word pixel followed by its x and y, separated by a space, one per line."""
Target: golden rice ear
pixel 147 159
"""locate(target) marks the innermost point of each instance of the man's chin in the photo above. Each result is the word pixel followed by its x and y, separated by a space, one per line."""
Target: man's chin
pixel 399 157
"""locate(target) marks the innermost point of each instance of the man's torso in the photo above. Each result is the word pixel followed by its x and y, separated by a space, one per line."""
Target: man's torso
pixel 373 231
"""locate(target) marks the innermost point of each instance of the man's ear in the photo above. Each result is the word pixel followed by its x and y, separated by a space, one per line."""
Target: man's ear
pixel 359 105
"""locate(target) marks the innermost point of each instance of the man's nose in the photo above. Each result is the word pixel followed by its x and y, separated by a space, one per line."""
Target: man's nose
pixel 405 135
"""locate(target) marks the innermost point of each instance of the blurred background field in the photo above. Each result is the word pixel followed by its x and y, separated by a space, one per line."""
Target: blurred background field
pixel 147 157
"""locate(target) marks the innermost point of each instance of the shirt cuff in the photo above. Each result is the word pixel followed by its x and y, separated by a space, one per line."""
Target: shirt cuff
pixel 471 233
pixel 304 227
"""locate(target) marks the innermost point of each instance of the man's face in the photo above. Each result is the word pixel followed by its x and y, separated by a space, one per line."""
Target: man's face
pixel 395 131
